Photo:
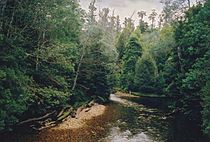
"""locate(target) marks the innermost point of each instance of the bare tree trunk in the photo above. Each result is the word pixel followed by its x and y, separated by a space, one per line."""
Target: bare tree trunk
pixel 152 24
pixel 189 5
pixel 2 13
pixel 11 21
pixel 180 58
pixel 36 119
pixel 78 70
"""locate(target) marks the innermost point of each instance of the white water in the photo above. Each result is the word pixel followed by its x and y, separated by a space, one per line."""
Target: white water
pixel 114 98
pixel 117 135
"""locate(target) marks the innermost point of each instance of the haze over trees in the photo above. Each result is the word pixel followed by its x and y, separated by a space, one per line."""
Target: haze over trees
pixel 54 56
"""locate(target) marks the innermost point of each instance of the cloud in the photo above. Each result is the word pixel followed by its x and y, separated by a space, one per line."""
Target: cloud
pixel 125 3
pixel 118 3
pixel 125 8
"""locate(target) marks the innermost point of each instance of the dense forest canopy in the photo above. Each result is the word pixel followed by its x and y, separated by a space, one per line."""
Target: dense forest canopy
pixel 55 56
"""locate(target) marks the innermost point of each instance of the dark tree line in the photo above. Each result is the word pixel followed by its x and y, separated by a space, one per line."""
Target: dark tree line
pixel 171 59
pixel 53 57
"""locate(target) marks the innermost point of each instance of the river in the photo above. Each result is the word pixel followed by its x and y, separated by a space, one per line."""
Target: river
pixel 125 120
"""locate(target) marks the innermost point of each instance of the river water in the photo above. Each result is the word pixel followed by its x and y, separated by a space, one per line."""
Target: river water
pixel 124 121
pixel 137 123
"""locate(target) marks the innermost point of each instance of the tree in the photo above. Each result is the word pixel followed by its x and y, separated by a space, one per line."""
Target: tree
pixel 129 24
pixel 94 70
pixel 92 10
pixel 121 42
pixel 37 41
pixel 103 17
pixel 133 51
pixel 189 59
pixel 113 23
pixel 160 20
pixel 152 17
pixel 142 25
pixel 118 26
pixel 141 15
pixel 145 74
pixel 174 9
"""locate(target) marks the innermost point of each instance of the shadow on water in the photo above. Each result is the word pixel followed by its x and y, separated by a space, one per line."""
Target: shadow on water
pixel 126 119
pixel 180 128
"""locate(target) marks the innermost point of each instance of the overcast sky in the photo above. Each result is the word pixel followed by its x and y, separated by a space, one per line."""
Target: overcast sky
pixel 125 8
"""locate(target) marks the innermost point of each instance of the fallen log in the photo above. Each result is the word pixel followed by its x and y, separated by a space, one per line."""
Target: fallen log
pixel 36 119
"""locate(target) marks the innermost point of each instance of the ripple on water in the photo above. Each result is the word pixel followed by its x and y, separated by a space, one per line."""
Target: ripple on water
pixel 116 135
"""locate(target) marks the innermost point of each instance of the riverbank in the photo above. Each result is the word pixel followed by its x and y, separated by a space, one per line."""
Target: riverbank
pixel 82 116
pixel 122 94
pixel 123 119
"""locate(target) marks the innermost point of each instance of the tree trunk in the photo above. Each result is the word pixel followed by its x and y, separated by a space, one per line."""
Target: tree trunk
pixel 2 13
pixel 189 5
pixel 36 119
pixel 180 58
pixel 78 70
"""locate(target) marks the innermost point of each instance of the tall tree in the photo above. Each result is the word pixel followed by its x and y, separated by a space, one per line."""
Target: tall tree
pixel 133 51
pixel 190 63
pixel 112 23
pixel 145 74
pixel 142 25
pixel 94 70
pixel 103 17
pixel 118 25
pixel 160 21
pixel 152 17
pixel 129 24
pixel 141 15
pixel 92 9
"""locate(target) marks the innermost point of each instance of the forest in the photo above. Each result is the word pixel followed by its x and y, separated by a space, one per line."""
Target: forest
pixel 56 57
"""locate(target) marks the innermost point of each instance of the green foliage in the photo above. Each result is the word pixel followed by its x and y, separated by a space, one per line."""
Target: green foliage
pixel 14 90
pixel 145 74
pixel 206 108
pixel 195 86
pixel 175 61
pixel 38 41
pixel 121 42
pixel 132 53
pixel 189 64
pixel 46 64
pixel 143 26
pixel 95 68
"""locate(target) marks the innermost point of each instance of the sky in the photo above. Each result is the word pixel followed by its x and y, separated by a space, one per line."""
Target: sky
pixel 125 8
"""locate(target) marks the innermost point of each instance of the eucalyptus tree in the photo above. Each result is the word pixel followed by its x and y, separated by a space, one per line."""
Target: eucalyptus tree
pixel 173 9
pixel 160 21
pixel 152 18
pixel 113 23
pixel 129 24
pixel 118 25
pixel 141 15
pixel 104 17
pixel 92 10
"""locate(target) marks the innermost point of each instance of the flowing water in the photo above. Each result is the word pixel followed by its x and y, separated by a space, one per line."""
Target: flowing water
pixel 137 123
pixel 125 120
